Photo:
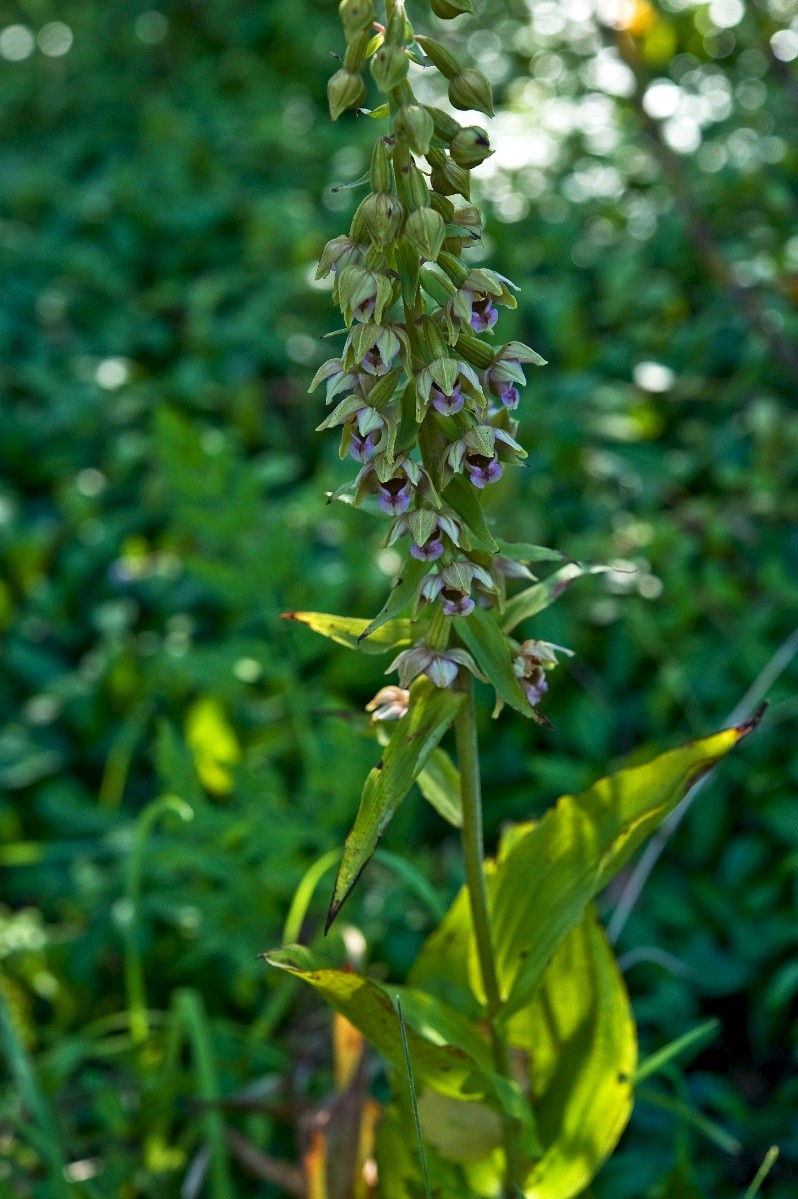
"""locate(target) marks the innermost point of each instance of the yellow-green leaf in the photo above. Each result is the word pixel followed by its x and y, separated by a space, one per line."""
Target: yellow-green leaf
pixel 580 1036
pixel 213 743
pixel 401 596
pixel 447 1068
pixel 542 887
pixel 431 711
pixel 348 631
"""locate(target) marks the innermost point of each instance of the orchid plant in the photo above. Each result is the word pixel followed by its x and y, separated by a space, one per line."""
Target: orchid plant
pixel 517 1023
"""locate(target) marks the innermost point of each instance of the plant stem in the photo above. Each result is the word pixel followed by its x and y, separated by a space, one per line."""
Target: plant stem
pixel 465 730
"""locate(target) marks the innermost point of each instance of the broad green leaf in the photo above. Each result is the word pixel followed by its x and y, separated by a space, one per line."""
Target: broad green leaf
pixel 349 631
pixel 432 709
pixel 462 497
pixel 439 783
pixel 442 965
pixel 482 636
pixel 402 594
pixel 580 1036
pixel 447 1051
pixel 550 875
pixel 522 552
pixel 534 599
pixel 447 1068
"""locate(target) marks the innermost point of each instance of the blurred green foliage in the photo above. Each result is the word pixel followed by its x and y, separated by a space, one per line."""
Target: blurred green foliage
pixel 165 187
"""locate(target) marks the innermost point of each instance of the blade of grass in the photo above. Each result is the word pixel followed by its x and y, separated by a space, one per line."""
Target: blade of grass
pixel 762 1173
pixel 411 1085
pixel 708 1128
pixel 689 1042
pixel 189 1006
pixel 135 987
pixel 43 1133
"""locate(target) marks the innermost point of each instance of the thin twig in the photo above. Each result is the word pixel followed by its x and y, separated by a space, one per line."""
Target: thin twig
pixel 653 851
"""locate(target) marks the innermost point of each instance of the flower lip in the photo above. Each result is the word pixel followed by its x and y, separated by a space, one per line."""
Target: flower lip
pixel 430 551
pixel 455 603
pixel 362 448
pixel 395 495
pixel 447 405
pixel 484 314
pixel 482 470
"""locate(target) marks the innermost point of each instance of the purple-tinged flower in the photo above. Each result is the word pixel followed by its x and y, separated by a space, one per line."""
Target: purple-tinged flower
pixel 440 666
pixel 452 585
pixel 426 523
pixel 390 703
pixel 510 396
pixel 394 497
pixel 484 314
pixel 430 551
pixel 530 664
pixel 363 448
pixel 534 688
pixel 454 603
pixel 447 383
pixel 447 405
pixel 482 470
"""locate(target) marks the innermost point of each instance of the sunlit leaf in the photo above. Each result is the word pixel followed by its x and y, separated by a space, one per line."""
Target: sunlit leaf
pixel 349 631
pixel 544 884
pixel 447 1052
pixel 579 1034
pixel 431 712
pixel 213 743
pixel 523 552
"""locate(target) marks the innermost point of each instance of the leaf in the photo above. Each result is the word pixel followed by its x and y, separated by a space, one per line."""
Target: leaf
pixel 432 709
pixel 542 887
pixel 519 551
pixel 446 1068
pixel 580 1036
pixel 462 497
pixel 402 593
pixel 534 599
pixel 442 965
pixel 439 783
pixel 446 1050
pixel 482 636
pixel 350 630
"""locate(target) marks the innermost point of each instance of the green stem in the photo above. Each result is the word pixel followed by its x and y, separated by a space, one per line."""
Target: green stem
pixel 465 730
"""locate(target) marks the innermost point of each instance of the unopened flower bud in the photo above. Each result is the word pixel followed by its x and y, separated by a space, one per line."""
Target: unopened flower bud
pixel 443 205
pixel 388 67
pixel 414 126
pixel 443 59
pixel 447 10
pixel 425 231
pixel 471 89
pixel 380 168
pixel 397 31
pixel 356 52
pixel 470 147
pixel 449 179
pixel 446 127
pixel 356 16
pixel 384 215
pixel 345 90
